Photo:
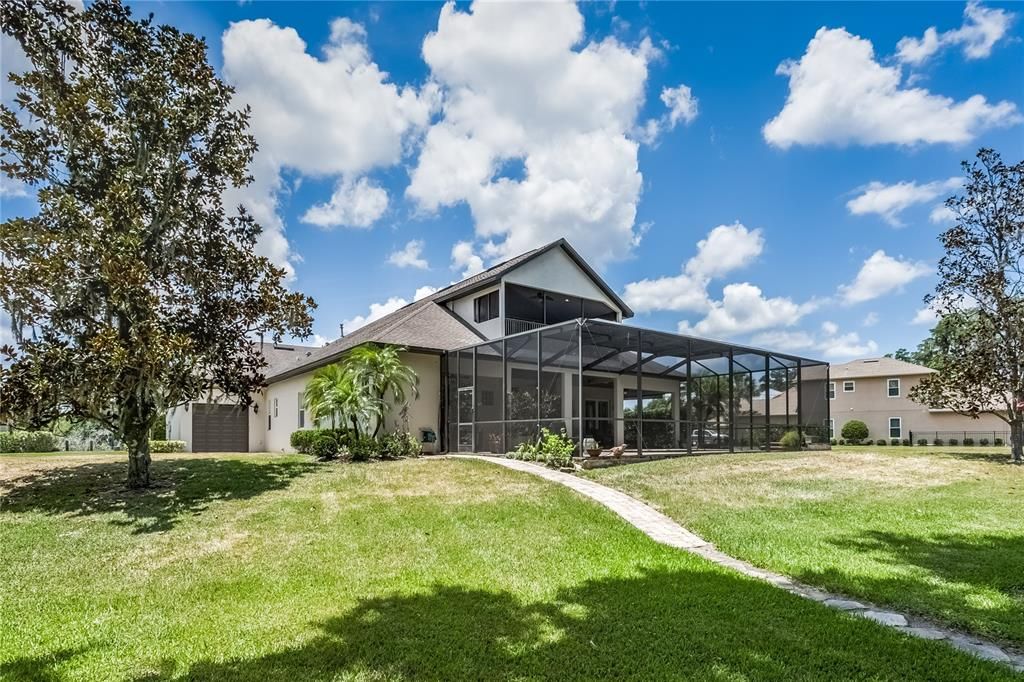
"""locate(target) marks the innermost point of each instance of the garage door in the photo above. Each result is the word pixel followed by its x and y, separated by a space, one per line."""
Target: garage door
pixel 219 428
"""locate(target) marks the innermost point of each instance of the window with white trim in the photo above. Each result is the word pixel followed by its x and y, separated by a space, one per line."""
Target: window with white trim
pixel 486 307
pixel 895 427
pixel 831 390
pixel 831 424
pixel 302 410
pixel 849 386
pixel 893 388
pixel 275 408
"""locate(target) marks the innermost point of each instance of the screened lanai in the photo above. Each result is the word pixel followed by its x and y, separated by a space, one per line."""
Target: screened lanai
pixel 607 384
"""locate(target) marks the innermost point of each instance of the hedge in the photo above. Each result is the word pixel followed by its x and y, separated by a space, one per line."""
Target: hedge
pixel 167 446
pixel 28 441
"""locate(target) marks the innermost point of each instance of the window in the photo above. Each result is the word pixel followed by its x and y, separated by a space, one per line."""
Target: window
pixel 486 307
pixel 831 424
pixel 895 427
pixel 275 408
pixel 302 410
pixel 849 386
pixel 893 388
pixel 831 390
pixel 268 422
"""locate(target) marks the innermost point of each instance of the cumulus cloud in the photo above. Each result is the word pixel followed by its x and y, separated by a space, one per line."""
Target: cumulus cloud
pixel 521 84
pixel 682 107
pixel 410 256
pixel 353 204
pixel 879 275
pixel 983 27
pixel 889 201
pixel 466 259
pixel 377 311
pixel 331 116
pixel 744 309
pixel 839 94
pixel 941 214
pixel 830 343
pixel 925 315
pixel 423 292
pixel 725 249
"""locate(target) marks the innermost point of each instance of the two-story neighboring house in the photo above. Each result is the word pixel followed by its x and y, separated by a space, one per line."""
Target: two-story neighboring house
pixel 876 392
pixel 536 341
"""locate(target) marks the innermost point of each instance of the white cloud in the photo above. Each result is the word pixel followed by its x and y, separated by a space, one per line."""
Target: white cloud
pixel 353 204
pixel 744 309
pixel 409 256
pixel 831 344
pixel 521 83
pixel 889 201
pixel 725 249
pixel 830 328
pixel 942 214
pixel 464 257
pixel 12 188
pixel 682 105
pixel 881 274
pixel 423 292
pixel 377 311
pixel 870 320
pixel 335 116
pixel 983 27
pixel 925 315
pixel 839 94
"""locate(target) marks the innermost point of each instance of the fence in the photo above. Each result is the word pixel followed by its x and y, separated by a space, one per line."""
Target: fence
pixel 961 437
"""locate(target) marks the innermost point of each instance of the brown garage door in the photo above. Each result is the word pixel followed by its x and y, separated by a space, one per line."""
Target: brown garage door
pixel 219 428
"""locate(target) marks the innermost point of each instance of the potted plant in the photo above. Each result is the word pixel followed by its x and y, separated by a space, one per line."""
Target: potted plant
pixel 592 447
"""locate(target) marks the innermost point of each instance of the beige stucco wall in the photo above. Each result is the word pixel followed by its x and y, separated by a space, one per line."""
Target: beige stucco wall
pixel 871 404
pixel 463 307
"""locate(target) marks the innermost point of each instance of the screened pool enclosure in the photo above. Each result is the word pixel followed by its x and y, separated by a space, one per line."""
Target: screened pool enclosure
pixel 606 384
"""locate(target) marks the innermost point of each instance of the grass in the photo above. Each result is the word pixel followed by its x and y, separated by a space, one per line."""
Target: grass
pixel 933 531
pixel 276 568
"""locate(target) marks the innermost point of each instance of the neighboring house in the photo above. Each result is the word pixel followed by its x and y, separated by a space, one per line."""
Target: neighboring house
pixel 544 286
pixel 876 390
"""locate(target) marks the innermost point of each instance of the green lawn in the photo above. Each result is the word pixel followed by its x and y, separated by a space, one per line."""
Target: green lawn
pixel 934 531
pixel 278 568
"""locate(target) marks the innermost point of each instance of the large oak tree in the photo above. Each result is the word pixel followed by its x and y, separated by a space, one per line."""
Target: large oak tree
pixel 980 300
pixel 132 289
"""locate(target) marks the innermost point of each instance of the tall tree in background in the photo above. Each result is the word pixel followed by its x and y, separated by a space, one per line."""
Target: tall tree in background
pixel 980 300
pixel 132 290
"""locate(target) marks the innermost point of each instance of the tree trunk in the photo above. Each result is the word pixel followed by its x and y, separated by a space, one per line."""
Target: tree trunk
pixel 1017 440
pixel 138 460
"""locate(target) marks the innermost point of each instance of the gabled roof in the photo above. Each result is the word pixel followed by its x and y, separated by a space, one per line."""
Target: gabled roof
pixel 876 367
pixel 421 325
pixel 494 274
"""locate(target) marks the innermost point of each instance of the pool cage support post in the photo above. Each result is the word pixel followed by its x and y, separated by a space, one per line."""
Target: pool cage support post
pixel 579 385
pixel 800 403
pixel 732 406
pixel 688 431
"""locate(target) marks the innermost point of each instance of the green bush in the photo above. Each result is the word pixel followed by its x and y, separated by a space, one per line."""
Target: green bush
pixel 323 445
pixel 525 451
pixel 842 441
pixel 855 431
pixel 968 441
pixel 922 441
pixel 167 446
pixel 881 442
pixel 363 448
pixel 937 441
pixel 832 442
pixel 399 445
pixel 555 449
pixel 159 430
pixel 28 441
pixel 894 441
pixel 790 440
pixel 906 441
pixel 302 440
pixel 954 441
pixel 983 441
pixel 997 441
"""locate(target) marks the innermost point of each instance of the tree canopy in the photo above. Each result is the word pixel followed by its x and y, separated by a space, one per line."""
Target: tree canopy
pixel 979 347
pixel 133 289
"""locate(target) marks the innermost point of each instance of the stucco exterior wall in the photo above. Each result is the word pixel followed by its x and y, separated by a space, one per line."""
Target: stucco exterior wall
pixel 871 404
pixel 463 307
pixel 556 271
pixel 179 425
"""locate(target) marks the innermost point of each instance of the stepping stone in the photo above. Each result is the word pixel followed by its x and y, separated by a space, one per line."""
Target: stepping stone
pixel 844 604
pixel 989 652
pixel 896 620
pixel 927 633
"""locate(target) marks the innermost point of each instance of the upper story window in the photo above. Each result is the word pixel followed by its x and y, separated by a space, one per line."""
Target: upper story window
pixel 849 386
pixel 893 388
pixel 486 307
pixel 831 390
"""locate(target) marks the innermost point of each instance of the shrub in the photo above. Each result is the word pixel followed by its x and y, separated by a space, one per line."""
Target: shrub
pixel 525 451
pixel 323 445
pixel 881 441
pixel 790 440
pixel 968 441
pixel 937 441
pixel 399 445
pixel 832 441
pixel 922 441
pixel 983 441
pixel 363 448
pixel 167 446
pixel 842 441
pixel 28 441
pixel 906 441
pixel 555 449
pixel 894 441
pixel 954 441
pixel 855 431
pixel 303 440
pixel 997 441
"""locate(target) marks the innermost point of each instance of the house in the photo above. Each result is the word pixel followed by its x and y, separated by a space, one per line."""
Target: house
pixel 513 349
pixel 876 391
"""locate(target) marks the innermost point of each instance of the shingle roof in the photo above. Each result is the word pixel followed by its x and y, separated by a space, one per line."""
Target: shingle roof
pixel 876 367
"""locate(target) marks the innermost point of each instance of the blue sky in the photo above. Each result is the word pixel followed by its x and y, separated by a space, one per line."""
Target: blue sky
pixel 405 144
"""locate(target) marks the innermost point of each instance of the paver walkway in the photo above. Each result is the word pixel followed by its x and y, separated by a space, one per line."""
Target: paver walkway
pixel 662 529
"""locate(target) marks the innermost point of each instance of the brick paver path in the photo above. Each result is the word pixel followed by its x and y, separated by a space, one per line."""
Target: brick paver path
pixel 662 529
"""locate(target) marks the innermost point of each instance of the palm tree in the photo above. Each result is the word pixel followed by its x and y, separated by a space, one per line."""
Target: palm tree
pixel 335 392
pixel 380 370
pixel 320 393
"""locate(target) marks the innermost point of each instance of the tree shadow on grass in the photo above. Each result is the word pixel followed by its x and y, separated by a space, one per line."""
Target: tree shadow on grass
pixel 980 455
pixel 662 624
pixel 182 487
pixel 37 668
pixel 959 570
